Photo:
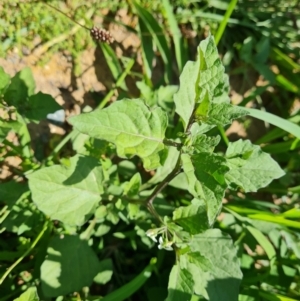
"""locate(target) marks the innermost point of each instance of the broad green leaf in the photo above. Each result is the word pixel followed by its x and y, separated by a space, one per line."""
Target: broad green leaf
pixel 212 79
pixel 202 81
pixel 113 63
pixel 106 271
pixel 29 295
pixel 70 265
pixel 186 97
pixel 205 174
pixel 132 126
pixel 223 113
pixel 167 167
pixel 22 86
pixel 4 80
pixel 199 142
pixel 181 284
pixel 133 186
pixel 39 106
pixel 68 194
pixel 250 167
pixel 192 218
pixel 200 261
pixel 220 273
pixel 180 181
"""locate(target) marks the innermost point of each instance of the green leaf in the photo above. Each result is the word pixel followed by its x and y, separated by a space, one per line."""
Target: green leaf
pixel 181 285
pixel 39 106
pixel 250 167
pixel 202 81
pixel 264 243
pixel 167 167
pixel 106 271
pixel 192 218
pixel 22 86
pixel 70 265
pixel 29 295
pixel 180 52
pixel 282 123
pixel 133 186
pixel 200 142
pixel 223 113
pixel 132 126
pixel 186 97
pixel 159 39
pixel 68 194
pixel 205 173
pixel 147 49
pixel 220 273
pixel 113 63
pixel 4 80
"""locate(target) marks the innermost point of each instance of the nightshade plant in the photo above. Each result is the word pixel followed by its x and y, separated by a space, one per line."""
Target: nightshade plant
pixel 86 186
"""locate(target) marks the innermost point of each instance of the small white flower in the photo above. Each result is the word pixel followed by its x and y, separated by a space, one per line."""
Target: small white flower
pixel 165 245
pixel 152 234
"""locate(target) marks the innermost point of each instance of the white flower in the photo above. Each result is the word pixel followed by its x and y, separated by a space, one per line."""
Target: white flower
pixel 167 245
pixel 152 234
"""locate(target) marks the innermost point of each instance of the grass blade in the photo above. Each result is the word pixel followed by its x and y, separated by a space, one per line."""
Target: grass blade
pixel 147 50
pixel 286 125
pixel 224 22
pixel 181 56
pixel 160 40
pixel 113 63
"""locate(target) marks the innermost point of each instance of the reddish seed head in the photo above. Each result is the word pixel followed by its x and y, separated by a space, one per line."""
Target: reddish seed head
pixel 102 35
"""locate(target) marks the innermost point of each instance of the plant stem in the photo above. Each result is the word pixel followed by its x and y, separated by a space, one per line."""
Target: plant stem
pixel 159 188
pixel 58 10
pixel 225 20
pixel 72 135
pixel 164 182
pixel 25 254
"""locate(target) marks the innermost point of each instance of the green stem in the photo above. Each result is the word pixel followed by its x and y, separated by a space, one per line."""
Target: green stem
pixel 72 135
pixel 172 143
pixel 160 187
pixel 88 232
pixel 53 7
pixel 225 20
pixel 223 134
pixel 8 271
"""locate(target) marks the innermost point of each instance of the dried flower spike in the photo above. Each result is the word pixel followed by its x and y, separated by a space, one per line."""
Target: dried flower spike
pixel 102 35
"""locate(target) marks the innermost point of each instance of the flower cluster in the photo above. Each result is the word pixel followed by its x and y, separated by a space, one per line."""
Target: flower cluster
pixel 163 241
